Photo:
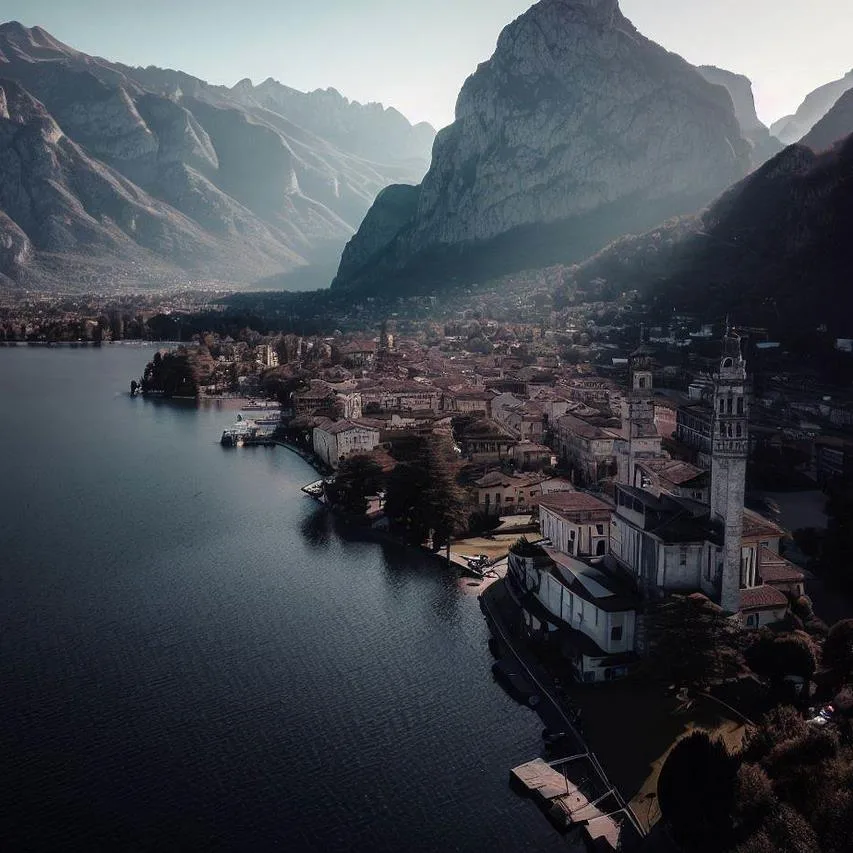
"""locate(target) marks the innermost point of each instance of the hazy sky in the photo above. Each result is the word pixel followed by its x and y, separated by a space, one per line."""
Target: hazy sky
pixel 415 54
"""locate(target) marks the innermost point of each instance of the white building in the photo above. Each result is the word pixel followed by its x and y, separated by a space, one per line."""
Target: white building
pixel 575 523
pixel 574 606
pixel 335 440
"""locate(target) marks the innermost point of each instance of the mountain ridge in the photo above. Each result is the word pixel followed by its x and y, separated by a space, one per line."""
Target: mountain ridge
pixel 815 106
pixel 275 193
pixel 771 250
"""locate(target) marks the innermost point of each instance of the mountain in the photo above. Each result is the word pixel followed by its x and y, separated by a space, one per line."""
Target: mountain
pixel 577 129
pixel 836 125
pixel 246 183
pixel 739 87
pixel 772 251
pixel 817 104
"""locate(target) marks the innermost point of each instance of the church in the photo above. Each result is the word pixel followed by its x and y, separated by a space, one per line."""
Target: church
pixel 669 539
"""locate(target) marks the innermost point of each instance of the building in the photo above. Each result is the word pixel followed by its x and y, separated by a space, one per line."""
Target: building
pixel 640 439
pixel 335 440
pixel 728 464
pixel 266 356
pixel 470 402
pixel 575 523
pixel 575 608
pixel 504 494
pixel 674 477
pixel 590 451
pixel 399 395
pixel 693 426
pixel 529 456
pixel 485 441
pixel 318 396
pixel 358 353
pixel 667 542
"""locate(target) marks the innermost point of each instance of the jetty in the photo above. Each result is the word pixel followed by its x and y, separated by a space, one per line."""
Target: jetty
pixel 572 795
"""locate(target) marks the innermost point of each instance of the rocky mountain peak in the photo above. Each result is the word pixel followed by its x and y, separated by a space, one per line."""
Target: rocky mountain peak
pixel 577 129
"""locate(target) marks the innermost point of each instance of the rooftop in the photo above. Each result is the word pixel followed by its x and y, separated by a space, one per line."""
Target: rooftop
pixel 591 583
pixel 756 526
pixel 774 568
pixel 762 598
pixel 565 503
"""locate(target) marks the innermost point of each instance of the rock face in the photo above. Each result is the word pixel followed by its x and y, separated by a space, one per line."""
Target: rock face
pixel 817 104
pixel 578 129
pixel 836 125
pixel 248 172
pixel 772 251
pixel 764 146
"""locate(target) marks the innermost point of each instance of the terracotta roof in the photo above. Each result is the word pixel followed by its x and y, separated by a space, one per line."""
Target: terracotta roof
pixel 673 470
pixel 581 427
pixel 776 569
pixel 757 526
pixel 338 427
pixel 497 478
pixel 762 598
pixel 564 502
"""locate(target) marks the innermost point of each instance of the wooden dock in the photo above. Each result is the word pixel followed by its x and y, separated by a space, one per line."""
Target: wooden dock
pixel 601 820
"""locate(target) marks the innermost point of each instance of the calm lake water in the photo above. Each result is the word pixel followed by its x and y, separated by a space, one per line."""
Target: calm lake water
pixel 195 656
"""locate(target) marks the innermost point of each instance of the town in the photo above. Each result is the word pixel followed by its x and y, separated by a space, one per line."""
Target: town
pixel 615 488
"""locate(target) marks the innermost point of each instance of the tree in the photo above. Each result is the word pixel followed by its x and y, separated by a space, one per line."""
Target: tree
pixel 691 641
pixel 838 649
pixel 696 792
pixel 403 501
pixel 775 656
pixel 358 477
pixel 423 497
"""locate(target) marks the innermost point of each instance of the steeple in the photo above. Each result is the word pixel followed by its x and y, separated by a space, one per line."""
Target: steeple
pixel 729 450
pixel 638 415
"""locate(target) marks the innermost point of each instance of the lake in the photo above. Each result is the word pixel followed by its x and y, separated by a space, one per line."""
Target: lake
pixel 195 655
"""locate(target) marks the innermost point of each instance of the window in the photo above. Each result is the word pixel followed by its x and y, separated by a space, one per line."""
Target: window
pixel 740 405
pixel 599 529
pixel 616 634
pixel 752 620
pixel 682 557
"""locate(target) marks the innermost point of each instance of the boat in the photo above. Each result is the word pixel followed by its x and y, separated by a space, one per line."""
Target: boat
pixel 239 433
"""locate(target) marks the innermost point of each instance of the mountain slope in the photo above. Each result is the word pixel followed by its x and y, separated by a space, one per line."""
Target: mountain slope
pixel 764 146
pixel 774 250
pixel 816 105
pixel 254 183
pixel 576 130
pixel 836 125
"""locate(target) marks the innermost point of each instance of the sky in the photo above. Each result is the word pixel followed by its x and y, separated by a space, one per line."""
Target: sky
pixel 415 54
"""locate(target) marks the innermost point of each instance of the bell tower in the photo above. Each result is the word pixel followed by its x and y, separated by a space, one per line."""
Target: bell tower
pixel 638 412
pixel 730 446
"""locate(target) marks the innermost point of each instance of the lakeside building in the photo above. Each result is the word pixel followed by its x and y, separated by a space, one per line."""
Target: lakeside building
pixel 335 440
pixel 575 608
pixel 504 494
pixel 576 523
